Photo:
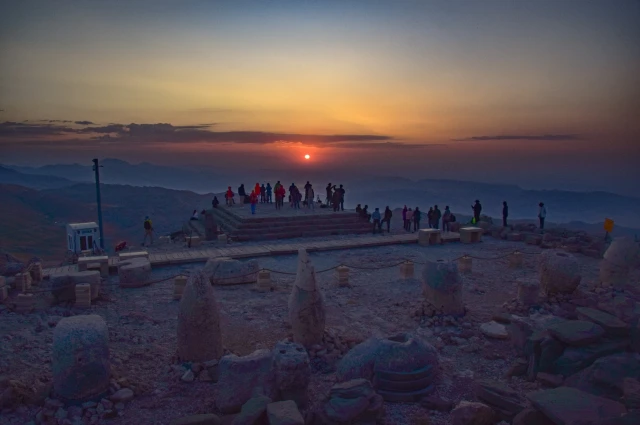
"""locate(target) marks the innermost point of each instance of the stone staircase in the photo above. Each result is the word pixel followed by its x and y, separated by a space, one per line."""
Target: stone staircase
pixel 268 228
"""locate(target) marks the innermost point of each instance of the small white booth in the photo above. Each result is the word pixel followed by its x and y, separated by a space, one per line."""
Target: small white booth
pixel 82 237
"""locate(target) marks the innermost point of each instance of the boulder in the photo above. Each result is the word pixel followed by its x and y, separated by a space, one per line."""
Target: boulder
pixel 92 277
pixel 531 416
pixel 253 411
pixel 576 332
pixel 494 330
pixel 242 378
pixel 519 331
pixel 567 406
pixel 618 260
pixel 442 287
pixel 284 413
pixel 611 324
pixel 606 376
pixel 574 359
pixel 293 372
pixel 134 272
pixel 199 337
pixel 472 413
pixel 352 402
pixel 80 358
pixel 559 272
pixel 227 271
pixel 306 305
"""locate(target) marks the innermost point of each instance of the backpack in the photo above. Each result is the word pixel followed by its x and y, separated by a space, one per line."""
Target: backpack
pixel 453 218
pixel 147 224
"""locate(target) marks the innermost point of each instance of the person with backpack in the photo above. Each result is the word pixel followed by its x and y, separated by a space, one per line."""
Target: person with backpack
pixel 437 214
pixel 477 209
pixel 446 219
pixel 417 215
pixel 505 213
pixel 269 191
pixel 387 219
pixel 542 214
pixel 148 230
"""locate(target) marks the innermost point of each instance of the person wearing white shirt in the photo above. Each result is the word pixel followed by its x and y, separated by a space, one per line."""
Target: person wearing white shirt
pixel 542 214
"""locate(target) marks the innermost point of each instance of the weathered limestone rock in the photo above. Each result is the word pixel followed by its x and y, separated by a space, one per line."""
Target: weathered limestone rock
pixel 80 358
pixel 199 337
pixel 494 330
pixel 92 277
pixel 566 405
pixel 227 271
pixel 342 273
pixel 306 304
pixel 559 272
pixel 407 270
pixel 134 272
pixel 179 284
pixel 611 324
pixel 575 359
pixel 83 295
pixel 264 283
pixel 621 256
pixel 242 378
pixel 516 260
pixel 528 291
pixel 23 282
pixel 293 372
pixel 519 332
pixel 253 412
pixel 284 413
pixel 352 402
pixel 606 376
pixel 442 287
pixel 576 332
pixel 531 416
pixel 465 265
pixel 25 303
pixel 471 413
pixel 36 272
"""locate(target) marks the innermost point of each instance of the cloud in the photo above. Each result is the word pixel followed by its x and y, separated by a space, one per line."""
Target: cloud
pixel 167 133
pixel 551 137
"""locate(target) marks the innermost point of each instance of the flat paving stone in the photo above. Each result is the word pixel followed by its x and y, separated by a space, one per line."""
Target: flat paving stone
pixel 576 332
pixel 569 406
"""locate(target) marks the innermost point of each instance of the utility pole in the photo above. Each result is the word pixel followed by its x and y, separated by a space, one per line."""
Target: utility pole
pixel 96 168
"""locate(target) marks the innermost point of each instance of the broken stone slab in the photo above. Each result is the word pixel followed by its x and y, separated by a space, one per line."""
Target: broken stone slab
pixel 577 332
pixel 611 324
pixel 467 412
pixel 499 396
pixel 134 273
pixel 442 287
pixel 531 416
pixel 242 378
pixel 199 336
pixel 519 331
pixel 353 401
pixel 253 411
pixel 605 377
pixel 293 372
pixel 494 330
pixel 284 413
pixel 550 350
pixel 550 380
pixel 528 291
pixel 559 272
pixel 80 358
pixel 203 419
pixel 306 304
pixel 435 402
pixel 575 359
pixel 567 406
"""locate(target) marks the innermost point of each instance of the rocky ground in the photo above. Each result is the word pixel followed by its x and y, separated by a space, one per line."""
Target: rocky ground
pixel 142 327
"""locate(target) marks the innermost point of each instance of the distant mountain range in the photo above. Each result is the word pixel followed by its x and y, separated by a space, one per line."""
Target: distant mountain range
pixel 36 203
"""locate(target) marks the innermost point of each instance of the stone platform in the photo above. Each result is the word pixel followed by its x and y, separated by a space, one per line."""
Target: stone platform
pixel 287 223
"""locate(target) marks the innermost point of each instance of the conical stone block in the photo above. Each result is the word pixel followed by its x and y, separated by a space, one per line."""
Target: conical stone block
pixel 199 337
pixel 306 304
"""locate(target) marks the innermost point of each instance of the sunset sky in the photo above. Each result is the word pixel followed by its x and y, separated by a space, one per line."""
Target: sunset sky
pixel 522 91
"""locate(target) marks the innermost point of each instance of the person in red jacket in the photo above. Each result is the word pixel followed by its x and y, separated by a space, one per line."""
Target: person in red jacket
pixel 253 198
pixel 280 193
pixel 229 196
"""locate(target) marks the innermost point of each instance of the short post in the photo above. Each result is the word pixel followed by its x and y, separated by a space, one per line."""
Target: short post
pixel 263 283
pixel 83 295
pixel 25 303
pixel 36 273
pixel 465 264
pixel 23 281
pixel 406 270
pixel 178 286
pixel 343 276
pixel 515 260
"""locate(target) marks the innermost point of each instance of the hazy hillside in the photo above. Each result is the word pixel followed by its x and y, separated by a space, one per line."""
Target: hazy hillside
pixel 32 222
pixel 9 176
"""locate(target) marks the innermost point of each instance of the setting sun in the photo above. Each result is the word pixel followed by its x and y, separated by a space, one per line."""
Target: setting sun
pixel 307 156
